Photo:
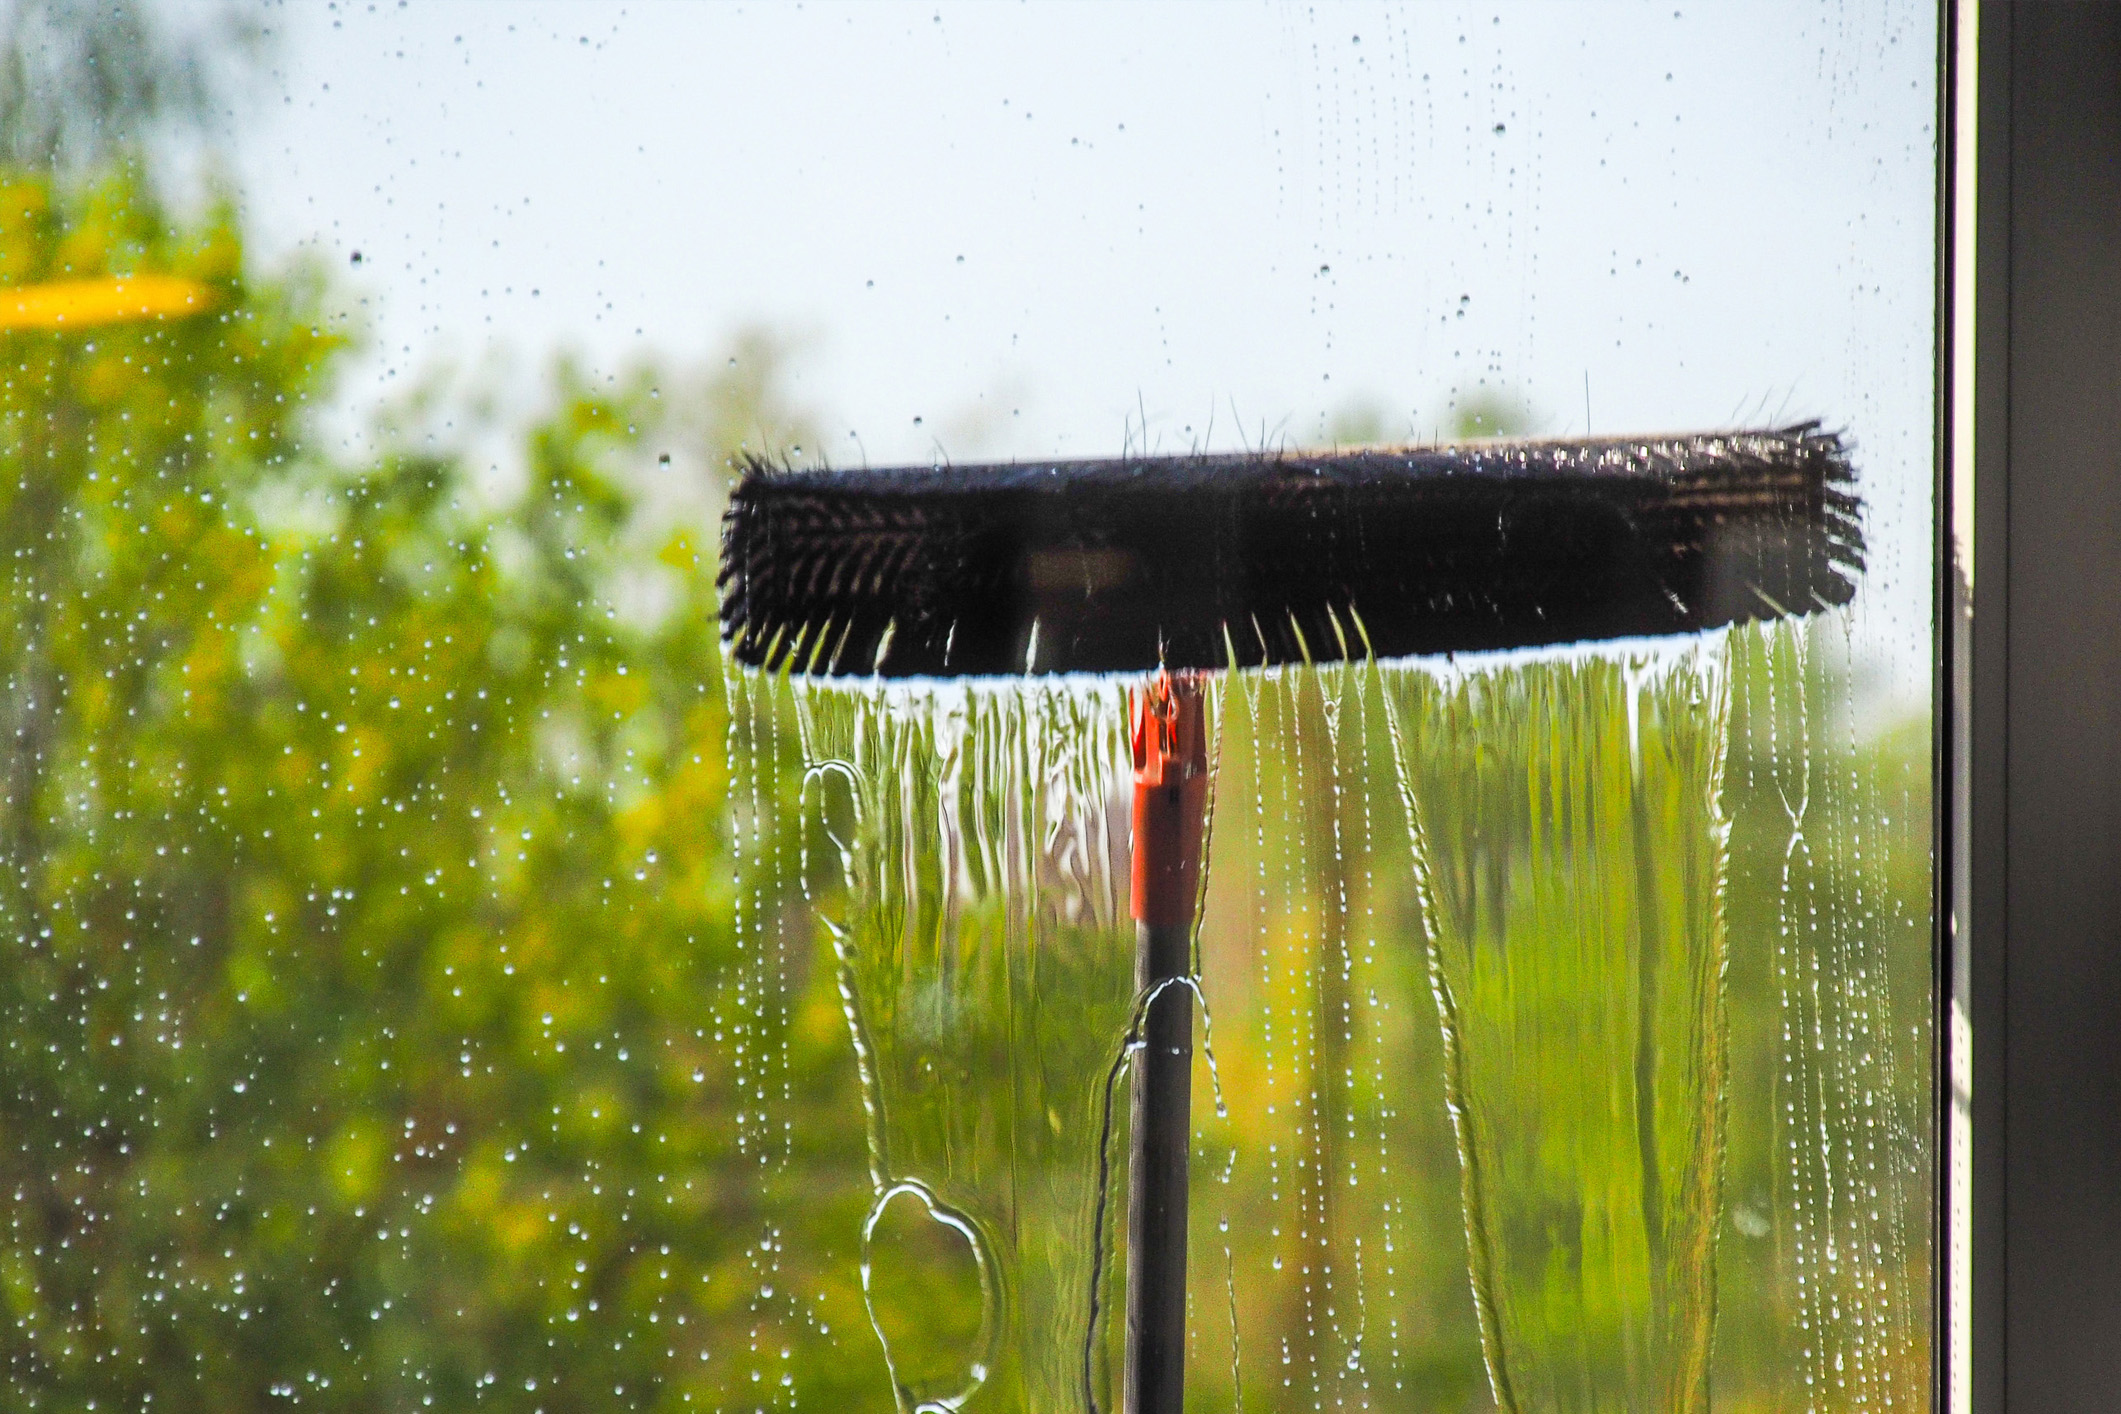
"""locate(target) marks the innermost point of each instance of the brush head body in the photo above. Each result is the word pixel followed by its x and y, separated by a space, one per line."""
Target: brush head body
pixel 1233 560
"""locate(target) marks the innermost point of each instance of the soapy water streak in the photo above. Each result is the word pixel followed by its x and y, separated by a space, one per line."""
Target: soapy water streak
pixel 1567 820
pixel 985 957
pixel 1569 856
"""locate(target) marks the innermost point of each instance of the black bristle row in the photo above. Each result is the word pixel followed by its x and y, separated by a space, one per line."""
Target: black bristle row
pixel 1213 561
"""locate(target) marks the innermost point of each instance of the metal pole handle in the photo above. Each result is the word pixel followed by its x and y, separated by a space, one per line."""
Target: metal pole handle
pixel 1170 806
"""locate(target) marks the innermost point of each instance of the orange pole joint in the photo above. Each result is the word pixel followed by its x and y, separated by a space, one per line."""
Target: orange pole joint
pixel 1170 797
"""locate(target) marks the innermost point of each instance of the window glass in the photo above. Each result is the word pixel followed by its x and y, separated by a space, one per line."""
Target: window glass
pixel 438 978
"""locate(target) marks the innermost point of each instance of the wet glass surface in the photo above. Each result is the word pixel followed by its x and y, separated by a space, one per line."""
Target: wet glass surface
pixel 437 978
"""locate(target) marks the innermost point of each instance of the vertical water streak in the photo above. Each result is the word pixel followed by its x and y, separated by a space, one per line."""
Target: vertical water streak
pixel 1337 1010
pixel 1404 722
pixel 1569 838
pixel 1305 965
pixel 985 957
pixel 750 926
pixel 1376 990
pixel 1852 1166
pixel 1266 717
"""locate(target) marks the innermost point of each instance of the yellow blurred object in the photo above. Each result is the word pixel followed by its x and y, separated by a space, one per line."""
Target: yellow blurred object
pixel 78 304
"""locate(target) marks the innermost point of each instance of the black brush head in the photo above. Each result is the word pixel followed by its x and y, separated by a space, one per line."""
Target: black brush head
pixel 1207 561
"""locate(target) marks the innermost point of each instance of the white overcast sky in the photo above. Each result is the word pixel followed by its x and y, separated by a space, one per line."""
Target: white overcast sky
pixel 1034 227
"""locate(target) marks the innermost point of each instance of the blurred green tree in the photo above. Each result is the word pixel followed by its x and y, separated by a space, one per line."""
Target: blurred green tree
pixel 382 968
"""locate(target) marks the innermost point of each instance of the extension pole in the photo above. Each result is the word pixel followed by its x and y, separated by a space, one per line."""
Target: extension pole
pixel 1170 799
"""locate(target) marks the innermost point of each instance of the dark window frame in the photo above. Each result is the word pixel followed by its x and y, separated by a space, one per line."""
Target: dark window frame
pixel 2029 692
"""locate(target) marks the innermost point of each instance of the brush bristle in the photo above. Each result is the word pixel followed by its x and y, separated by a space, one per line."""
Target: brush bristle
pixel 1215 561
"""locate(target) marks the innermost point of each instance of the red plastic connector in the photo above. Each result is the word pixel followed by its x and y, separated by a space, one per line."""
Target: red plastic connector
pixel 1170 798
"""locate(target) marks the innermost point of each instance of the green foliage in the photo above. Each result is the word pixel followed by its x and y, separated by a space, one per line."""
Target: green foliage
pixel 1488 412
pixel 374 942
